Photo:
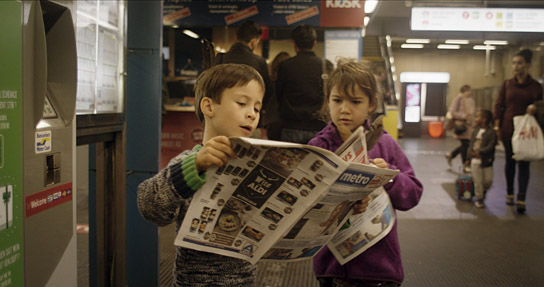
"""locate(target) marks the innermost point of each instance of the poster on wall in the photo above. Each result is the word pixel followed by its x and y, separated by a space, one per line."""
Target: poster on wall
pixel 347 44
pixel 412 112
pixel 332 13
pixel 11 206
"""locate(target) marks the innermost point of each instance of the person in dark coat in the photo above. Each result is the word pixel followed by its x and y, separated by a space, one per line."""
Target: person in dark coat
pixel 247 40
pixel 299 89
pixel 516 97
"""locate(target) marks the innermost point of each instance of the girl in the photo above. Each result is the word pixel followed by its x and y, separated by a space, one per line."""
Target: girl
pixel 350 99
pixel 481 155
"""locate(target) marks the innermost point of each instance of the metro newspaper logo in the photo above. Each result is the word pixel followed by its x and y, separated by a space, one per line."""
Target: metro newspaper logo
pixel 354 177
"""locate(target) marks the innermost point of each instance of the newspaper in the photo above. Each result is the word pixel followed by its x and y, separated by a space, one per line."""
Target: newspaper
pixel 285 201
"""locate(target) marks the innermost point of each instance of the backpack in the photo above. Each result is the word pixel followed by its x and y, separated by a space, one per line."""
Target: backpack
pixel 539 114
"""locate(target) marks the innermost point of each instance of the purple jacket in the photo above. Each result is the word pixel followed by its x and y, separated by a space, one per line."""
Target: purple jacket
pixel 381 262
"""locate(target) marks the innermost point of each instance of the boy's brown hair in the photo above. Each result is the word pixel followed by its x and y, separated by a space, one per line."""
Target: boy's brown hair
pixel 212 82
pixel 349 74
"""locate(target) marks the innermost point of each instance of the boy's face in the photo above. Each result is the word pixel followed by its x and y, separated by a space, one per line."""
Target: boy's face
pixel 238 112
pixel 350 111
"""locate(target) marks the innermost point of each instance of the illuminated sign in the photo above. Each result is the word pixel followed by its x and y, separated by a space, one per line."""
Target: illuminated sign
pixel 477 19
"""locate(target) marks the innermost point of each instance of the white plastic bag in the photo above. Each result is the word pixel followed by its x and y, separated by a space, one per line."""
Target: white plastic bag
pixel 527 141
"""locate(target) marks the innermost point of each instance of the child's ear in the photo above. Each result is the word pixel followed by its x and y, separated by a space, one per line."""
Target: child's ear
pixel 371 107
pixel 206 106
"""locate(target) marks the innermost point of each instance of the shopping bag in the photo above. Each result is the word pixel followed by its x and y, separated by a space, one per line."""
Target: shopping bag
pixel 527 141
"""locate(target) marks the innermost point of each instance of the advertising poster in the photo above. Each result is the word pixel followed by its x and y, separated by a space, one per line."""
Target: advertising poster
pixel 332 13
pixel 11 208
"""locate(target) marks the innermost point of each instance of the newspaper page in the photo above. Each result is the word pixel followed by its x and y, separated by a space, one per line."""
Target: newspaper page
pixel 354 148
pixel 330 213
pixel 365 229
pixel 247 206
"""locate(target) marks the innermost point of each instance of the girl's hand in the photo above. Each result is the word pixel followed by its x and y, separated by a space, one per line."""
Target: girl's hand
pixel 380 162
pixel 215 152
pixel 361 205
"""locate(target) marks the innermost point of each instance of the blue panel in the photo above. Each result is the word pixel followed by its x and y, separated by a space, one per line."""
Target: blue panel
pixel 143 125
pixel 143 111
pixel 142 240
pixel 144 24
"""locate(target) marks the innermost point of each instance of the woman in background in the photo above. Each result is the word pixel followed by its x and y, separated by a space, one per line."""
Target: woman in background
pixel 516 97
pixel 462 110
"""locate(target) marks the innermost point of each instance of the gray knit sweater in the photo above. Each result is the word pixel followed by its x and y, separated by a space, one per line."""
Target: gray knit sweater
pixel 164 199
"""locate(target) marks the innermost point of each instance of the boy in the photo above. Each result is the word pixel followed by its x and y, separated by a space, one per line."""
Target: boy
pixel 481 153
pixel 228 99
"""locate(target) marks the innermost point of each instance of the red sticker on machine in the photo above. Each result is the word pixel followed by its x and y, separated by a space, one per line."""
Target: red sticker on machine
pixel 46 199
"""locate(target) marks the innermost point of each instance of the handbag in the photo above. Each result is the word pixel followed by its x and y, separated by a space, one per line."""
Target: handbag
pixel 460 128
pixel 527 141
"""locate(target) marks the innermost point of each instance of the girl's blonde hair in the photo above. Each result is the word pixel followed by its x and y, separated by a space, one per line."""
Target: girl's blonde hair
pixel 350 73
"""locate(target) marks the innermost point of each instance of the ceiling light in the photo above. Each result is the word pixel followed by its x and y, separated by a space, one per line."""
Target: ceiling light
pixel 366 20
pixel 495 42
pixel 483 47
pixel 411 46
pixel 370 6
pixel 418 41
pixel 448 47
pixel 191 34
pixel 457 41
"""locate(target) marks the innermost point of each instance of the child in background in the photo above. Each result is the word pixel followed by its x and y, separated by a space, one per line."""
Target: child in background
pixel 481 153
pixel 228 99
pixel 350 101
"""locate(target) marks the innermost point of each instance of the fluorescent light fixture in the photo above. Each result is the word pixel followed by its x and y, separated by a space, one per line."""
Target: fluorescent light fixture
pixel 411 46
pixel 191 34
pixel 424 77
pixel 370 6
pixel 175 26
pixel 457 41
pixel 483 47
pixel 391 59
pixel 418 41
pixel 495 42
pixel 366 20
pixel 448 47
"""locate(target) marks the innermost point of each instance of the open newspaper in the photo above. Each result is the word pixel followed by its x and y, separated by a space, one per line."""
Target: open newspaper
pixel 285 201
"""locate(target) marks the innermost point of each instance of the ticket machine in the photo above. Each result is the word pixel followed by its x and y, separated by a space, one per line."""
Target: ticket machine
pixel 37 108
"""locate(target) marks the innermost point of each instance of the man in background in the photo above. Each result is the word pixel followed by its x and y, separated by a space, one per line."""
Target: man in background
pixel 299 89
pixel 247 40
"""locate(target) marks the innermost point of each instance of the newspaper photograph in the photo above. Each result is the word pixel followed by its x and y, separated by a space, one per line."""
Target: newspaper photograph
pixel 247 206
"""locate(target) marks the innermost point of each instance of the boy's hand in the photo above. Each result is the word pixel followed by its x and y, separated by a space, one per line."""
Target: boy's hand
pixel 361 205
pixel 380 162
pixel 215 152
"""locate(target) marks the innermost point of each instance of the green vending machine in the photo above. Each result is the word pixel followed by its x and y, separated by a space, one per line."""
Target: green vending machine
pixel 38 80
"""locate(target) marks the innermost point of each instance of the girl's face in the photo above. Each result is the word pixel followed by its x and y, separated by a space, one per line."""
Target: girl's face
pixel 350 111
pixel 480 119
pixel 519 66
